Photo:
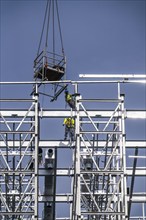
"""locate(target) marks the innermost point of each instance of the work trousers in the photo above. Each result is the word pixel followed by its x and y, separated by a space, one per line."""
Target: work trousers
pixel 71 103
pixel 69 131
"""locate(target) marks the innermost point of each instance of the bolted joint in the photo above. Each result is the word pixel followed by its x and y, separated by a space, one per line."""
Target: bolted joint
pixel 122 95
pixel 77 94
pixel 36 94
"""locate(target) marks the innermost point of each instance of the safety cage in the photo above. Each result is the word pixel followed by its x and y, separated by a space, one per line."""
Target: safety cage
pixel 49 66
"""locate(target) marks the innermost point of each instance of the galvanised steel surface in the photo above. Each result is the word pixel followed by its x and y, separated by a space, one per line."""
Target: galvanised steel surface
pixel 100 174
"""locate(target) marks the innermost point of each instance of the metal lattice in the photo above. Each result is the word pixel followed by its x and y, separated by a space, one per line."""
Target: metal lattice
pixel 98 173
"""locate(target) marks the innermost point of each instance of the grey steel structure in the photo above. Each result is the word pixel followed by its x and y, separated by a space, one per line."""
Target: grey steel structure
pixel 101 182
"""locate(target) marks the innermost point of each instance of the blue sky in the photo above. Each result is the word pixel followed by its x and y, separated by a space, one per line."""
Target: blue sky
pixel 100 36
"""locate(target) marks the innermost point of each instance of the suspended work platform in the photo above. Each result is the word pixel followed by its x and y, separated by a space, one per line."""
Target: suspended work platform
pixel 49 66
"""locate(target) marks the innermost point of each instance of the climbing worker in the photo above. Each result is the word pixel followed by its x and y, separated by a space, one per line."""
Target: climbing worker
pixel 69 99
pixel 69 128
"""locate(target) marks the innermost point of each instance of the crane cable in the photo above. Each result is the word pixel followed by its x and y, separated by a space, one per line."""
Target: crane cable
pixel 46 26
pixel 46 43
pixel 59 28
pixel 42 29
pixel 47 11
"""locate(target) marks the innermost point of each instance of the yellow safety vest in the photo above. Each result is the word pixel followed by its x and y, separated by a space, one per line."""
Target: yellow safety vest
pixel 69 122
pixel 68 97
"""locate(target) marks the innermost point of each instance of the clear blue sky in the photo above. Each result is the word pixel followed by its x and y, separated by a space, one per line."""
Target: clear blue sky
pixel 99 37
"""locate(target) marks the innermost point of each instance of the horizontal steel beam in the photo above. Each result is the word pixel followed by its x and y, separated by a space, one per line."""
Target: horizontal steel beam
pixel 103 213
pixel 101 100
pixel 61 113
pixel 101 132
pixel 62 198
pixel 138 217
pixel 70 172
pixel 16 132
pixel 101 76
pixel 16 213
pixel 127 76
pixel 68 197
pixel 136 198
pixel 17 100
pixel 66 144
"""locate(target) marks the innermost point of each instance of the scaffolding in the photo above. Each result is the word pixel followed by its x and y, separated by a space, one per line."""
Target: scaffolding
pixel 101 184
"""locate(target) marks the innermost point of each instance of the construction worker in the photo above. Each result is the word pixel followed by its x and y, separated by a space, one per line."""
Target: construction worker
pixel 69 99
pixel 69 128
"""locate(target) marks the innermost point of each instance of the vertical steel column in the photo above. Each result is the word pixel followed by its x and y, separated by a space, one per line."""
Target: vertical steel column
pixel 7 177
pixel 14 177
pixel 36 152
pixel 143 211
pixel 132 182
pixel 118 161
pixel 73 183
pixel 77 159
pixel 122 96
pixel 72 191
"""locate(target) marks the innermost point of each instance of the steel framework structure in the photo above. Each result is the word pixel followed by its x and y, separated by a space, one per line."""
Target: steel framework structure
pixel 19 164
pixel 99 187
pixel 100 175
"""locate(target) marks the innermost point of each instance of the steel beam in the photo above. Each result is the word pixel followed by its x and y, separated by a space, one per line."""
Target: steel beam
pixel 112 76
pixel 62 198
pixel 108 158
pixel 69 172
pixel 65 144
pixel 61 113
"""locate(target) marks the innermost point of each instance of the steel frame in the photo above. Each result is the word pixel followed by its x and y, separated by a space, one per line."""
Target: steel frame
pixel 100 193
pixel 99 173
pixel 19 184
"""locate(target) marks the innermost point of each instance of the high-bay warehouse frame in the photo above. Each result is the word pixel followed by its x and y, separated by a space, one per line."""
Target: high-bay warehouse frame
pixel 99 183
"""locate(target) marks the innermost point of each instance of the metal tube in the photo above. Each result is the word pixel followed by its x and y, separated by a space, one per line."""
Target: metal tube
pixel 36 152
pixel 112 76
pixel 77 159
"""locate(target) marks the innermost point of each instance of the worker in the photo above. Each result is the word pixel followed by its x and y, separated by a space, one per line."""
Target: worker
pixel 69 128
pixel 69 99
